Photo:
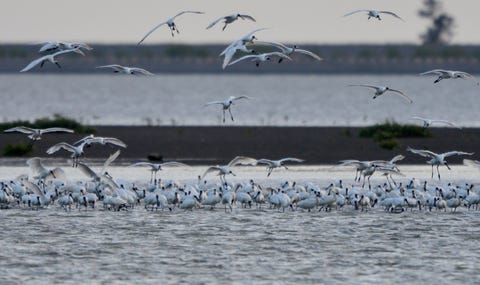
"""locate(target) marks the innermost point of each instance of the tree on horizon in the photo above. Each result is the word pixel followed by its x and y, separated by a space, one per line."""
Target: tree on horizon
pixel 440 32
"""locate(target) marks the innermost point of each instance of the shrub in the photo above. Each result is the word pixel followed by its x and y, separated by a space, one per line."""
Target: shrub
pixel 20 149
pixel 386 134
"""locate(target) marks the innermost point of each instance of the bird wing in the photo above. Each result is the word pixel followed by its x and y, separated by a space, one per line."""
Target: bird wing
pixel 365 85
pixel 214 102
pixel 309 53
pixel 54 130
pixel 354 12
pixel 291 159
pixel 391 13
pixel 228 56
pixel 113 141
pixel 34 187
pixel 241 39
pixel 34 63
pixel 85 169
pixel 243 160
pixel 141 70
pixel 173 164
pixel 424 153
pixel 396 158
pixel 77 50
pixel 116 67
pixel 349 162
pixel 418 118
pixel 404 96
pixel 215 22
pixel 450 153
pixel 463 74
pixel 143 163
pixel 151 31
pixel 265 161
pixel 390 170
pixel 279 54
pixel 278 45
pixel 185 12
pixel 20 129
pixel 109 160
pixel 59 146
pixel 446 122
pixel 57 173
pixel 243 58
pixel 47 46
pixel 233 98
pixel 244 16
pixel 36 165
pixel 83 139
pixel 434 71
pixel 211 169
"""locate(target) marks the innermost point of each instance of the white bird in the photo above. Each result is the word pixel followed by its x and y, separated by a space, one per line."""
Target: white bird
pixel 102 175
pixel 289 50
pixel 54 45
pixel 90 139
pixel 227 104
pixel 42 173
pixel 246 39
pixel 230 19
pixel 155 167
pixel 374 14
pixel 76 151
pixel 126 70
pixel 380 90
pixel 448 74
pixel 428 122
pixel 170 23
pixel 49 57
pixel 272 164
pixel 437 159
pixel 36 134
pixel 223 170
pixel 257 58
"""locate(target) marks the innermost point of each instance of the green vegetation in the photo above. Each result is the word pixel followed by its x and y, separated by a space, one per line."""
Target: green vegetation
pixel 42 123
pixel 19 149
pixel 386 134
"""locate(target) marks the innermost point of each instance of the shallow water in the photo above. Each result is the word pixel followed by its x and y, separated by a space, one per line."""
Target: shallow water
pixel 279 100
pixel 246 246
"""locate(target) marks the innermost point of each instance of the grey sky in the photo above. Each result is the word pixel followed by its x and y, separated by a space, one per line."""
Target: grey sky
pixel 301 21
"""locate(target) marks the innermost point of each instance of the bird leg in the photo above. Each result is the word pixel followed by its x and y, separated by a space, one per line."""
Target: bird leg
pixel 223 29
pixel 280 60
pixel 269 171
pixel 57 64
pixel 446 164
pixel 42 63
pixel 432 171
pixel 231 116
pixel 438 171
pixel 224 115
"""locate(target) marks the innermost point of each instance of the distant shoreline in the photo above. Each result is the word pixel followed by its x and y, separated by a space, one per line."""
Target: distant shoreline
pixel 185 59
pixel 217 145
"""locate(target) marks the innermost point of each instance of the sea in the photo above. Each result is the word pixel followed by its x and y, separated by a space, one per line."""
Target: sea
pixel 276 100
pixel 245 246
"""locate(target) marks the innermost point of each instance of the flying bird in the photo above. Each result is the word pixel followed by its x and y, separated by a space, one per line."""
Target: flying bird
pixel 102 175
pixel 36 134
pixel 170 23
pixel 155 167
pixel 437 159
pixel 126 70
pixel 42 173
pixel 374 14
pixel 380 90
pixel 272 164
pixel 288 51
pixel 54 46
pixel 50 58
pixel 227 104
pixel 428 122
pixel 77 151
pixel 223 170
pixel 448 74
pixel 230 19
pixel 90 139
pixel 257 58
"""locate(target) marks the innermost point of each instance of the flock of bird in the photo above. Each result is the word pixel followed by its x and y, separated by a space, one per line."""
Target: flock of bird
pixel 49 187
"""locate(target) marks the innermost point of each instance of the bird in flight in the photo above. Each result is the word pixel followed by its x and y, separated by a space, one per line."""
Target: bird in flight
pixel 227 104
pixel 428 122
pixel 170 23
pixel 380 90
pixel 230 19
pixel 374 14
pixel 36 134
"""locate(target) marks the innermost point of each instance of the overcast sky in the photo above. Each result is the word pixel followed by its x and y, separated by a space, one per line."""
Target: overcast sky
pixel 300 21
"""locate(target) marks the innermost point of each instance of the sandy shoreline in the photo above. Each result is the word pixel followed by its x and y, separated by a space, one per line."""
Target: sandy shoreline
pixel 211 145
